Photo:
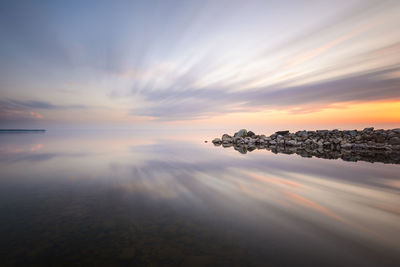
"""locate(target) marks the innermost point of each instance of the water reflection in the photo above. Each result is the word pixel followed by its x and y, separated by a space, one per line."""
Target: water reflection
pixel 384 156
pixel 138 198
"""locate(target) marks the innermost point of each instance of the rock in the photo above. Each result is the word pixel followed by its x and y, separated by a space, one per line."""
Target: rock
pixel 217 141
pixel 299 144
pixel 291 143
pixel 250 134
pixel 251 148
pixel 394 141
pixel 241 133
pixel 391 134
pixel 346 146
pixel 226 136
pixel 322 132
pixel 380 139
pixel 282 132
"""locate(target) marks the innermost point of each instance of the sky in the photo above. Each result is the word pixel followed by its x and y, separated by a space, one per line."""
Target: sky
pixel 200 64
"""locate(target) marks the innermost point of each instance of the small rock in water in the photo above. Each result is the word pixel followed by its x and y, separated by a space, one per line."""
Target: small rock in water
pixel 217 141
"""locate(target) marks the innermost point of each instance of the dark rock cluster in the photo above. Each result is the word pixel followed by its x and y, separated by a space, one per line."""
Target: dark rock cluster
pixel 351 145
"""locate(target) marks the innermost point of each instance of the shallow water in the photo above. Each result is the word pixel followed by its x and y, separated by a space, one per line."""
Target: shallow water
pixel 148 198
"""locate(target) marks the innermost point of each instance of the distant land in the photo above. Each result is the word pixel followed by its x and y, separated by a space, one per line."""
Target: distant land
pixel 22 130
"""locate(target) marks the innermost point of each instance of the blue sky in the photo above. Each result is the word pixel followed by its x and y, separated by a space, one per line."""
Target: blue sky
pixel 143 63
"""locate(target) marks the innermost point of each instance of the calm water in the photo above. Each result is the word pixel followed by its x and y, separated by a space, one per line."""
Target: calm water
pixel 142 198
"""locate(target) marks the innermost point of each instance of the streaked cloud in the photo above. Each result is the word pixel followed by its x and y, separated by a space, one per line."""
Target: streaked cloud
pixel 194 103
pixel 183 61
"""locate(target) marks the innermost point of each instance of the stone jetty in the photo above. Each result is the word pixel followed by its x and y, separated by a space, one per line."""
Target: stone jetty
pixel 350 145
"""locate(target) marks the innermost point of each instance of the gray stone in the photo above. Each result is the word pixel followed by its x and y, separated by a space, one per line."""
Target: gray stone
pixel 346 146
pixel 250 134
pixel 241 133
pixel 217 141
pixel 226 136
pixel 291 143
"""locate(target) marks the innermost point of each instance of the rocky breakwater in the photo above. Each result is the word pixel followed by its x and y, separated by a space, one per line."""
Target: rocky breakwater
pixel 351 145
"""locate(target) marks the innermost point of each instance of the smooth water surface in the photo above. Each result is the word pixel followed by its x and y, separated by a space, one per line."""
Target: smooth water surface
pixel 167 198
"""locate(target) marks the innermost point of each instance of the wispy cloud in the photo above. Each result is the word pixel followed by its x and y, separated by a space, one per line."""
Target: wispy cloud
pixel 194 60
pixel 16 110
pixel 172 104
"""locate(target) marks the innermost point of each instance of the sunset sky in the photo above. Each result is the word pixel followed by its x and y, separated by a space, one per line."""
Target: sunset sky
pixel 298 64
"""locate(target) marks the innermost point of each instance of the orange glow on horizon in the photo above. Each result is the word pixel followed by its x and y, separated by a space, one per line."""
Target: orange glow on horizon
pixel 372 113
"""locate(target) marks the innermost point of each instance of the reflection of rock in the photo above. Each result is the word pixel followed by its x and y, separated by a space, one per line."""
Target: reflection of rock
pixel 367 145
pixel 241 149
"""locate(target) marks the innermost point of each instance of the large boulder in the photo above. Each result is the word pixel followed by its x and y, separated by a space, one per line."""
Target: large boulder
pixel 241 133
